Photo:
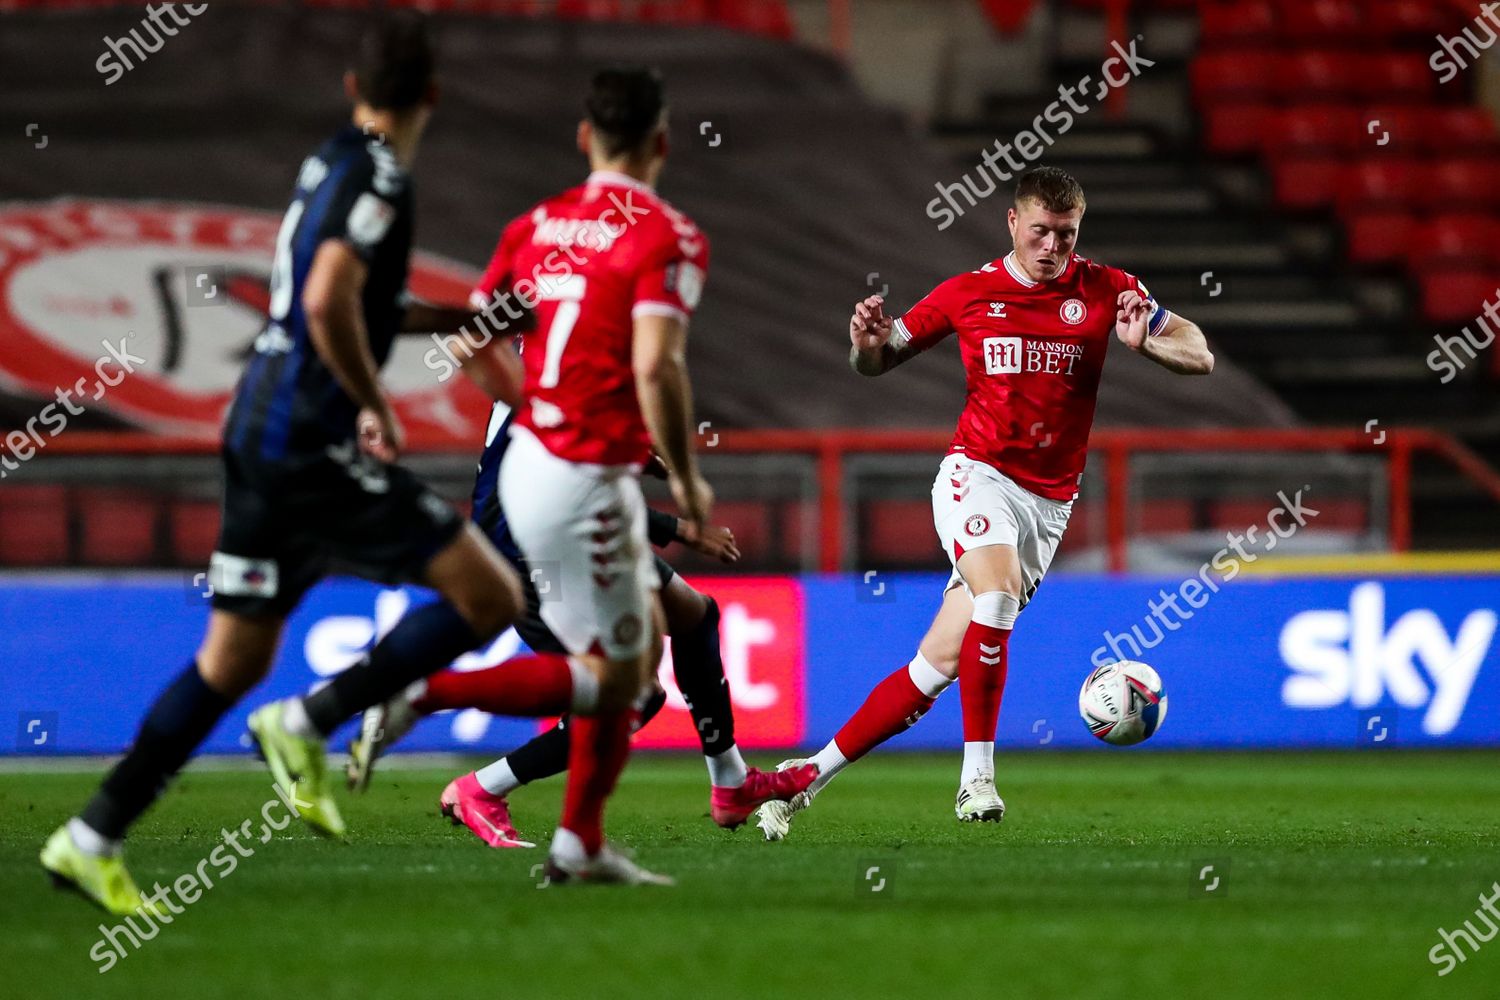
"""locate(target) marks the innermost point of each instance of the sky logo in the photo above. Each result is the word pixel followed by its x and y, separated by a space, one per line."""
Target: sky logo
pixel 1338 657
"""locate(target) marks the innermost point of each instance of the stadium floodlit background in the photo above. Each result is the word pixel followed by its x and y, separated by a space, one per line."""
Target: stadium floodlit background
pixel 1316 183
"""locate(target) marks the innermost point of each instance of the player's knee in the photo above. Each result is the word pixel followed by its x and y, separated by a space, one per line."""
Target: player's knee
pixel 490 610
pixel 233 672
pixel 708 625
pixel 997 608
pixel 686 610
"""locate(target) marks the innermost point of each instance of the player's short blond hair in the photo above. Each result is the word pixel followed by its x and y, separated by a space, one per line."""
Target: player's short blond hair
pixel 1054 189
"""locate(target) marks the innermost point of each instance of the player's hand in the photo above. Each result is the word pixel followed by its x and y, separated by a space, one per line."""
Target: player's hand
pixel 869 327
pixel 714 541
pixel 380 434
pixel 695 498
pixel 1131 317
pixel 655 467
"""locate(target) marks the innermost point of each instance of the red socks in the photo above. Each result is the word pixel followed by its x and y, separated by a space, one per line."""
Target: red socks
pixel 597 748
pixel 537 685
pixel 982 664
pixel 894 706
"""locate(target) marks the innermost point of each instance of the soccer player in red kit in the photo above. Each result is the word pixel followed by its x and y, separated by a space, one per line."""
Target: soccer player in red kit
pixel 614 273
pixel 1033 329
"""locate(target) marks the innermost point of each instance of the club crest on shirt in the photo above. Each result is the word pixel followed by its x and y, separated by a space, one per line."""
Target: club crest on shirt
pixel 627 629
pixel 1074 312
pixel 977 525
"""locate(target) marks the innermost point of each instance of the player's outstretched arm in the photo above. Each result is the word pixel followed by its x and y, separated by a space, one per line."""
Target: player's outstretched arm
pixel 1181 346
pixel 331 301
pixel 659 360
pixel 428 317
pixel 870 332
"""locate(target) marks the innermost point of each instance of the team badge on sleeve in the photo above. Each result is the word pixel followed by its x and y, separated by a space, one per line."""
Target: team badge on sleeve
pixel 977 525
pixel 687 280
pixel 370 219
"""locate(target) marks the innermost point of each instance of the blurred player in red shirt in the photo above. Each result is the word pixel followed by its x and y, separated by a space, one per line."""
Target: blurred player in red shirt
pixel 611 274
pixel 1033 329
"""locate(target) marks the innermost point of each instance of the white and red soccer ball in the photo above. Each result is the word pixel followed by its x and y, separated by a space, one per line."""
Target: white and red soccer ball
pixel 1123 703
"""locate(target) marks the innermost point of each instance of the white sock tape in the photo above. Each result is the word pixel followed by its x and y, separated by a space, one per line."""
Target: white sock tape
pixel 996 609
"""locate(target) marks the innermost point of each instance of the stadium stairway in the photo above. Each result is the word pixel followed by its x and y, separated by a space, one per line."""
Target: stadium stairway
pixel 1276 292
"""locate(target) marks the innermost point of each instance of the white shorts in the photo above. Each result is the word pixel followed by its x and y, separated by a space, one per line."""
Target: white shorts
pixel 974 505
pixel 582 529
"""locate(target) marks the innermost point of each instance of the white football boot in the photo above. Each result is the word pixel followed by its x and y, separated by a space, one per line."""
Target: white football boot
pixel 775 817
pixel 379 730
pixel 612 865
pixel 978 802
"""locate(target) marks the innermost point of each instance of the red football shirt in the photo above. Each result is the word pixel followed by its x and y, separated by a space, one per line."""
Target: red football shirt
pixel 588 262
pixel 1033 353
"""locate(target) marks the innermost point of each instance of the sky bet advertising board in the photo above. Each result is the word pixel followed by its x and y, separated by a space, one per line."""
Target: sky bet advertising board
pixel 1338 663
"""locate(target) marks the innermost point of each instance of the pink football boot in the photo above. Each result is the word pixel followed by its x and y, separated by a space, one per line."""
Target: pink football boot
pixel 465 801
pixel 732 806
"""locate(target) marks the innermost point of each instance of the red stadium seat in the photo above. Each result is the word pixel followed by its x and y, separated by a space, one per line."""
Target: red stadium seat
pixel 1380 236
pixel 1394 19
pixel 1457 130
pixel 1341 514
pixel 118 528
pixel 1460 238
pixel 1235 129
pixel 1456 297
pixel 1165 517
pixel 1379 180
pixel 1307 183
pixel 1320 75
pixel 1245 76
pixel 1313 128
pixel 586 10
pixel 1461 183
pixel 33 525
pixel 1237 22
pixel 898 532
pixel 1396 76
pixel 195 531
pixel 1323 21
pixel 1401 126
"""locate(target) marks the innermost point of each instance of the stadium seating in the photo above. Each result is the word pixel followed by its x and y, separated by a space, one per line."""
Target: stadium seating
pixel 1338 100
pixel 33 525
pixel 117 529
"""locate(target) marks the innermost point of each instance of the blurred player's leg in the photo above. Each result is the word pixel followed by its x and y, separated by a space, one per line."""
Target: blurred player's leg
pixel 478 799
pixel 896 704
pixel 235 655
pixel 698 667
pixel 480 596
pixel 583 529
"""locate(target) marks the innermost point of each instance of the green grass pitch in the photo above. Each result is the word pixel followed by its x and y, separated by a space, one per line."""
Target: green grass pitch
pixel 1335 872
